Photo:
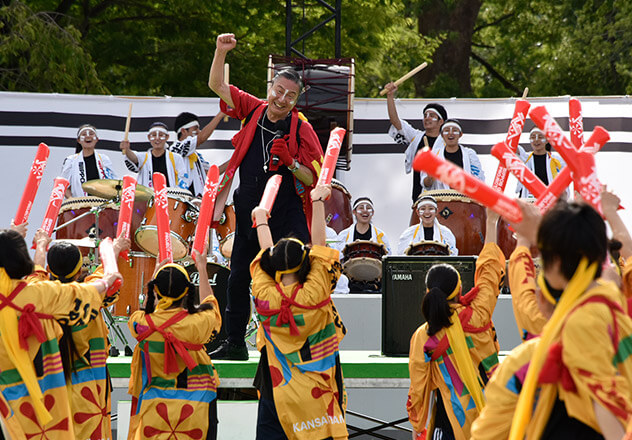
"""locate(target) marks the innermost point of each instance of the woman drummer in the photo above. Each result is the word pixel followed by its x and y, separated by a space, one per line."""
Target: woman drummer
pixel 85 164
pixel 34 400
pixel 299 375
pixel 173 382
pixel 455 351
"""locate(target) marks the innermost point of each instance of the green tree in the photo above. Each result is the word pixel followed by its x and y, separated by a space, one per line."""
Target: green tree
pixel 38 55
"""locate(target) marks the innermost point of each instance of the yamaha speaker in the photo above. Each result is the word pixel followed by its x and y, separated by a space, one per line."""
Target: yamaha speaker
pixel 328 99
pixel 403 290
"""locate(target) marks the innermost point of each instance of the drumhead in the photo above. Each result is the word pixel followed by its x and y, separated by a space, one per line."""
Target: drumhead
pixel 85 202
pixel 363 269
pixel 147 238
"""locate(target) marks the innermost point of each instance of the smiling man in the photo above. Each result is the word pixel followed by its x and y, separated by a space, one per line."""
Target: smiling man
pixel 413 139
pixel 273 140
pixel 428 229
pixel 157 159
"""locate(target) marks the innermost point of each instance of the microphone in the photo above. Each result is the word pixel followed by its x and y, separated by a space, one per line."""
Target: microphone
pixel 281 127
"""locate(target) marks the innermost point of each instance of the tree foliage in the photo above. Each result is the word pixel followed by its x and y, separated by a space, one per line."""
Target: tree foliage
pixel 38 55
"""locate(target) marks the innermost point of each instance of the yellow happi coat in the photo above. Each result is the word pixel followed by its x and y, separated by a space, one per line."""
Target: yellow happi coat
pixel 174 404
pixel 309 403
pixel 522 284
pixel 71 303
pixel 89 386
pixel 429 376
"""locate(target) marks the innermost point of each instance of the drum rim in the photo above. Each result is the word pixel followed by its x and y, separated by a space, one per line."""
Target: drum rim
pixel 96 200
pixel 335 183
pixel 444 195
pixel 410 246
pixel 354 261
pixel 173 235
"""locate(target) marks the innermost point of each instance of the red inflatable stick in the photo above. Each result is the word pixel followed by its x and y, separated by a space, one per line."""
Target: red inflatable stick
pixel 206 209
pixel 32 185
pixel 331 156
pixel 457 179
pixel 589 184
pixel 162 217
pixel 127 206
pixel 270 193
pixel 597 139
pixel 517 167
pixel 513 137
pixel 54 203
pixel 106 252
pixel 576 122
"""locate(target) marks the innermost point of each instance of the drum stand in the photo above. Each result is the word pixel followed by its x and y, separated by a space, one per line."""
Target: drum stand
pixel 111 323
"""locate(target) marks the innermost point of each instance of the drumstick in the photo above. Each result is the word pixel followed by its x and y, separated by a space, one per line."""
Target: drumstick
pixel 413 72
pixel 54 203
pixel 331 155
pixel 127 122
pixel 206 209
pixel 32 185
pixel 269 194
pixel 226 74
pixel 125 212
pixel 165 251
pixel 462 181
pixel 525 93
pixel 110 266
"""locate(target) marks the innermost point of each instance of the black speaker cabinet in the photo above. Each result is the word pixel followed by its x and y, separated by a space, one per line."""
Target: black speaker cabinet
pixel 403 289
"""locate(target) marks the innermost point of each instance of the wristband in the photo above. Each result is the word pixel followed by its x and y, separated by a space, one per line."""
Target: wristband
pixel 295 166
pixel 262 224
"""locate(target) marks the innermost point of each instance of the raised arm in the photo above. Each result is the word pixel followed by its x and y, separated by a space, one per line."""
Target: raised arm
pixel 209 128
pixel 225 43
pixel 390 105
pixel 127 151
pixel 260 217
pixel 204 286
pixel 610 204
pixel 41 240
pixel 319 228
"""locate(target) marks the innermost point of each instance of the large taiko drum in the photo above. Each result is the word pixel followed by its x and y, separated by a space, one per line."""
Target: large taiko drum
pixel 183 214
pixel 338 211
pixel 362 260
pixel 427 248
pixel 225 230
pixel 463 216
pixel 136 272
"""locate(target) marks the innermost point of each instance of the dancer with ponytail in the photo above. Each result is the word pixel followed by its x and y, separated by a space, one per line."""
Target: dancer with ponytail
pixel 575 380
pixel 83 348
pixel 173 382
pixel 455 351
pixel 35 399
pixel 299 375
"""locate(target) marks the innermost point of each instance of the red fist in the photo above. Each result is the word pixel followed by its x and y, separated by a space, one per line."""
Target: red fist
pixel 279 148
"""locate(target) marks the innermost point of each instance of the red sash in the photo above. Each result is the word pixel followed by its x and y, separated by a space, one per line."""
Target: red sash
pixel 29 321
pixel 173 345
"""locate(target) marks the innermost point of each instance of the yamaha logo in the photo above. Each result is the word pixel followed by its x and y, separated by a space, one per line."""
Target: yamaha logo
pixel 402 277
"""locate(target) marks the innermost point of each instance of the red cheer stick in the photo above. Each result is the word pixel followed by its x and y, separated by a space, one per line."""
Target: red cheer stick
pixel 512 140
pixel 54 203
pixel 269 194
pixel 458 179
pixel 517 167
pixel 127 206
pixel 165 252
pixel 589 184
pixel 576 122
pixel 110 266
pixel 547 199
pixel 331 155
pixel 32 185
pixel 206 209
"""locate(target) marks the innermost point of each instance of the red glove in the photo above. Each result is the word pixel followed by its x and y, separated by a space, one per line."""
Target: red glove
pixel 279 148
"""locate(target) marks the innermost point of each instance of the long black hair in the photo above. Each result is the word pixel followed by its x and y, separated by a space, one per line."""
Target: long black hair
pixel 288 253
pixel 441 280
pixel 14 255
pixel 172 282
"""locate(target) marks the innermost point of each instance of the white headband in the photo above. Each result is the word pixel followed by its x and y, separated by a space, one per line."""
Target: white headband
pixel 189 125
pixel 368 202
pixel 433 111
pixel 451 124
pixel 426 202
pixel 158 128
pixel 535 130
pixel 89 127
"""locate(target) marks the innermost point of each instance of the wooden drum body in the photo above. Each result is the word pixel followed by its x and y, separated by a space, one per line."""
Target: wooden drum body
pixel 338 210
pixel 226 231
pixel 136 274
pixel 362 260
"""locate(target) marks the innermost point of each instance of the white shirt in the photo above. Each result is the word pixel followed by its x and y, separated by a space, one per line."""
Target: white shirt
pixel 415 234
pixel 178 175
pixel 74 170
